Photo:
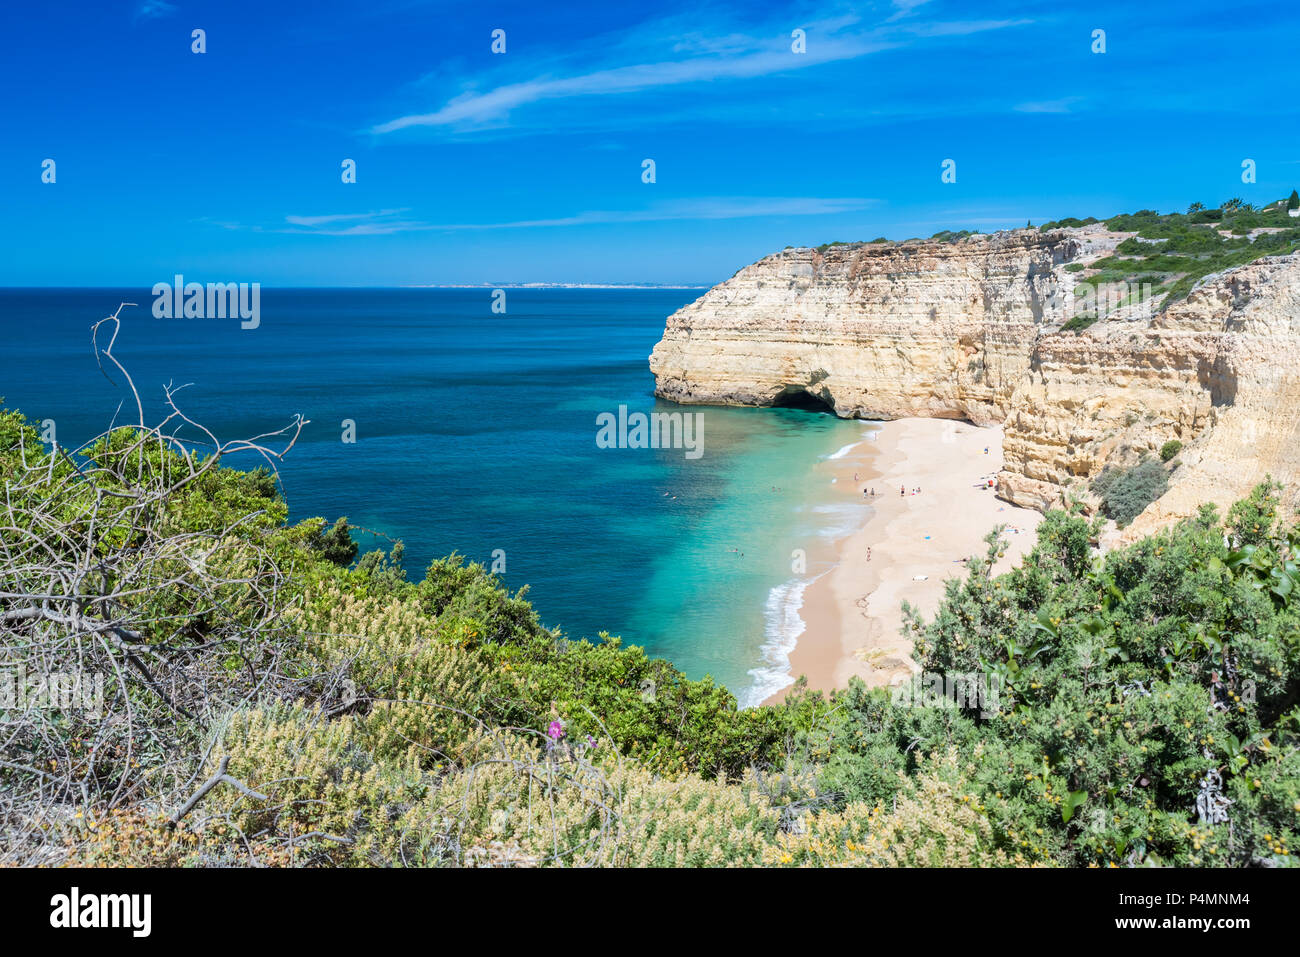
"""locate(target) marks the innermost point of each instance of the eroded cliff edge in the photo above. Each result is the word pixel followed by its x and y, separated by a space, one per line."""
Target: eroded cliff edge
pixel 972 330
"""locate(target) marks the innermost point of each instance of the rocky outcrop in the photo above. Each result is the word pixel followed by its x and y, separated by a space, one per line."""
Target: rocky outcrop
pixel 1216 371
pixel 971 329
pixel 876 331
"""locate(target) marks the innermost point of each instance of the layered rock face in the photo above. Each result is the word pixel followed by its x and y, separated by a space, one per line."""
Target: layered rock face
pixel 1217 371
pixel 970 330
pixel 877 331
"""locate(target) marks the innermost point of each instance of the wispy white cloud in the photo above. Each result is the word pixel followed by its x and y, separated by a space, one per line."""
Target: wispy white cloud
pixel 1063 105
pixel 961 28
pixel 389 221
pixel 471 108
pixel 720 55
pixel 154 9
pixel 731 207
pixel 381 222
pixel 904 8
pixel 341 217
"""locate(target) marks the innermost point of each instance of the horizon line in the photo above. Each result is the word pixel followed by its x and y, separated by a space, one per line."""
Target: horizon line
pixel 411 286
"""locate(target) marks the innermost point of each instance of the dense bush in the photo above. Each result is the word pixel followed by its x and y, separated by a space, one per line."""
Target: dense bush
pixel 1170 449
pixel 1078 323
pixel 1126 492
pixel 1069 221
pixel 1147 707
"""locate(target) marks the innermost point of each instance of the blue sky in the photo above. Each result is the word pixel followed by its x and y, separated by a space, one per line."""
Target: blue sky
pixel 527 166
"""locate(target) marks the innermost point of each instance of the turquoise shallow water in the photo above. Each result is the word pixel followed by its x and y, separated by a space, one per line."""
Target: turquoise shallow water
pixel 476 432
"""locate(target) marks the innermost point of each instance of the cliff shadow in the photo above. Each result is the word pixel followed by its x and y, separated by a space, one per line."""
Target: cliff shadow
pixel 798 397
pixel 1219 378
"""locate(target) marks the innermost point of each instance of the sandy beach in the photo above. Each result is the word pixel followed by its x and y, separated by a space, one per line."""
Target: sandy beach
pixel 917 540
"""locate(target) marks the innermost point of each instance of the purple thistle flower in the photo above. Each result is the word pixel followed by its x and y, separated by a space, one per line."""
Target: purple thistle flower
pixel 556 730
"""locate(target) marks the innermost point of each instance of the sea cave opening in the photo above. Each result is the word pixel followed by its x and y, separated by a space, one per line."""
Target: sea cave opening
pixel 797 397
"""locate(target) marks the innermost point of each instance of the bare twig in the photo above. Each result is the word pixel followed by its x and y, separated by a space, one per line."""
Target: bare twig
pixel 220 777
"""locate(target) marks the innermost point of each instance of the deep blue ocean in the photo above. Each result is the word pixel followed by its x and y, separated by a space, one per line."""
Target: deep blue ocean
pixel 476 431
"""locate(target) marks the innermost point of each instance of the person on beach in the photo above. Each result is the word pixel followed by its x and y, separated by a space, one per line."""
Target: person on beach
pixel 902 492
pixel 868 553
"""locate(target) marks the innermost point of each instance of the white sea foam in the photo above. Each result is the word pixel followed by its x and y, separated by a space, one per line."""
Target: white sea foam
pixel 868 434
pixel 840 519
pixel 782 622
pixel 783 627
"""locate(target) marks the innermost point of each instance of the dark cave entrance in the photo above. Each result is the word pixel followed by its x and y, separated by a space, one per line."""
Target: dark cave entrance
pixel 797 397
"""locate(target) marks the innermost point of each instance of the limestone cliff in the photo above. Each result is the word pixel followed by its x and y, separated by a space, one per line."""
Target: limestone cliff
pixel 873 330
pixel 971 329
pixel 1216 371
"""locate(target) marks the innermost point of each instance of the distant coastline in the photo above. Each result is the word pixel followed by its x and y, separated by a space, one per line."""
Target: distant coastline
pixel 556 285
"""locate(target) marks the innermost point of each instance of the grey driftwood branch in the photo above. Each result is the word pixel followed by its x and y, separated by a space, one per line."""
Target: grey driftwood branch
pixel 220 777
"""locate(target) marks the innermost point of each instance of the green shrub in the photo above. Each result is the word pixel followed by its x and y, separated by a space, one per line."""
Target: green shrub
pixel 1170 449
pixel 1068 222
pixel 1078 323
pixel 335 544
pixel 1101 745
pixel 1126 492
pixel 1251 520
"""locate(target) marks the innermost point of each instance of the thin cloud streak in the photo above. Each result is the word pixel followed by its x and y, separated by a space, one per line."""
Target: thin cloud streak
pixel 1063 105
pixel 497 103
pixel 339 217
pixel 764 57
pixel 154 9
pixel 382 222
